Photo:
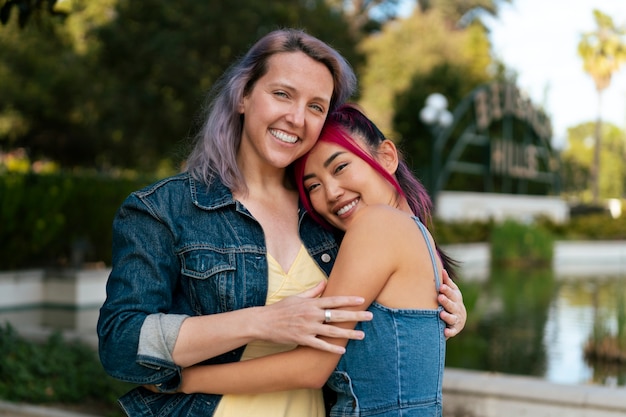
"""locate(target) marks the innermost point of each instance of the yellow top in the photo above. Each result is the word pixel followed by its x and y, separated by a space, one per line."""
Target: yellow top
pixel 304 274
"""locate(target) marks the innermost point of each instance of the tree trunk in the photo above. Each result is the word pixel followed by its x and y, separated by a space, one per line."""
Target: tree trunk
pixel 595 170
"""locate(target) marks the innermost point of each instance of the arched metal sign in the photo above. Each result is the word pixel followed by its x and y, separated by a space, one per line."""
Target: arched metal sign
pixel 498 142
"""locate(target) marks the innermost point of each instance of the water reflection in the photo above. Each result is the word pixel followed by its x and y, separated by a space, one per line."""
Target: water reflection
pixel 528 322
pixel 565 334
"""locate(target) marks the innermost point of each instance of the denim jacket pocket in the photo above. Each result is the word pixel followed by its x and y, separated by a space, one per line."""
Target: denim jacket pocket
pixel 211 279
pixel 204 263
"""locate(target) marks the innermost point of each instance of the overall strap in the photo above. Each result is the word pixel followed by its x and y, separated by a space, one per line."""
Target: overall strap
pixel 431 251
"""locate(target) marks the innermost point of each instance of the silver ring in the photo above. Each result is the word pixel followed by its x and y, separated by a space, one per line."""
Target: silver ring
pixel 327 316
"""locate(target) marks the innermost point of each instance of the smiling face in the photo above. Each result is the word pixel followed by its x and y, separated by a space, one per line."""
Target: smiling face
pixel 340 183
pixel 285 111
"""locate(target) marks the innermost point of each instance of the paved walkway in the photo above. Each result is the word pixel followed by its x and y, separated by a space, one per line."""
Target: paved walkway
pixel 8 409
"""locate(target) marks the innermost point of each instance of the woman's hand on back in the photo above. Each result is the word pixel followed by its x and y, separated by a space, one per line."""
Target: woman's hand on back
pixel 301 318
pixel 454 313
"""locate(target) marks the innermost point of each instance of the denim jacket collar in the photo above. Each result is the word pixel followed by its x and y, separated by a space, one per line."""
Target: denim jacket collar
pixel 216 195
pixel 212 196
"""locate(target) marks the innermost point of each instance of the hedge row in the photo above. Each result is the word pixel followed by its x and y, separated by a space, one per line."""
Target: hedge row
pixel 58 219
pixel 62 219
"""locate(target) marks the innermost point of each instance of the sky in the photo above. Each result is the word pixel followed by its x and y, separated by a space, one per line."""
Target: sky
pixel 539 40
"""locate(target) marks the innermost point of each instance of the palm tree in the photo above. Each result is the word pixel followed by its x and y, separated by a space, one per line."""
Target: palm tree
pixel 603 52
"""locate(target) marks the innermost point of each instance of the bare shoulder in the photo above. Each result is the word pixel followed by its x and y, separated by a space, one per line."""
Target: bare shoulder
pixel 383 238
pixel 380 221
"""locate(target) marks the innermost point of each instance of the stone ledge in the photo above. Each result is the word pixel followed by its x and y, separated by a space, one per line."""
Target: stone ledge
pixel 483 394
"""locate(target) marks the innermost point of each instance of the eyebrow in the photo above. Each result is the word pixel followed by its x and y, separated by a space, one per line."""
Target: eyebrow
pixel 332 158
pixel 326 164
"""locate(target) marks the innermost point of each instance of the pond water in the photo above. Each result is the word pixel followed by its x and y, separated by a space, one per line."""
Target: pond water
pixel 531 323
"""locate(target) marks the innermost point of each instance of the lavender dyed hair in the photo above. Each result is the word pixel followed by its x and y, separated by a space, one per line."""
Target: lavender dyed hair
pixel 216 145
pixel 340 128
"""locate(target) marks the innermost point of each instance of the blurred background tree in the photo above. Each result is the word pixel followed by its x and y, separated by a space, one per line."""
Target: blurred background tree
pixel 27 9
pixel 577 161
pixel 366 16
pixel 442 47
pixel 119 84
pixel 603 52
pixel 407 52
pixel 158 59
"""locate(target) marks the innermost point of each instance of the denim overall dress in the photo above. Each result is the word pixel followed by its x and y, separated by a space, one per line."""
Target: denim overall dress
pixel 398 369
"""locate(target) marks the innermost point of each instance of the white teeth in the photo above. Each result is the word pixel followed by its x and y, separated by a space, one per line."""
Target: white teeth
pixel 283 136
pixel 344 209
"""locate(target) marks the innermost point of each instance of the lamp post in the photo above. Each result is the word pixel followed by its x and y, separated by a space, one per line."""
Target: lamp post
pixel 436 116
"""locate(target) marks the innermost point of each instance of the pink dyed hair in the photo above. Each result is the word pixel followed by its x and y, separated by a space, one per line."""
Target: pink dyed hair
pixel 340 128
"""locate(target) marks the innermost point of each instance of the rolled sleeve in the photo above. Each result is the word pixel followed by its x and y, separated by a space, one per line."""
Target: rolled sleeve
pixel 158 335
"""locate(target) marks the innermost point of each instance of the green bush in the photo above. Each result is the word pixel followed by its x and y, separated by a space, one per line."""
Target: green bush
pixel 44 218
pixel 461 231
pixel 90 210
pixel 517 244
pixel 31 217
pixel 56 372
pixel 597 226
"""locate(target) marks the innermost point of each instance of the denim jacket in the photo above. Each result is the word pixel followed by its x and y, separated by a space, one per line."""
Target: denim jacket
pixel 182 248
